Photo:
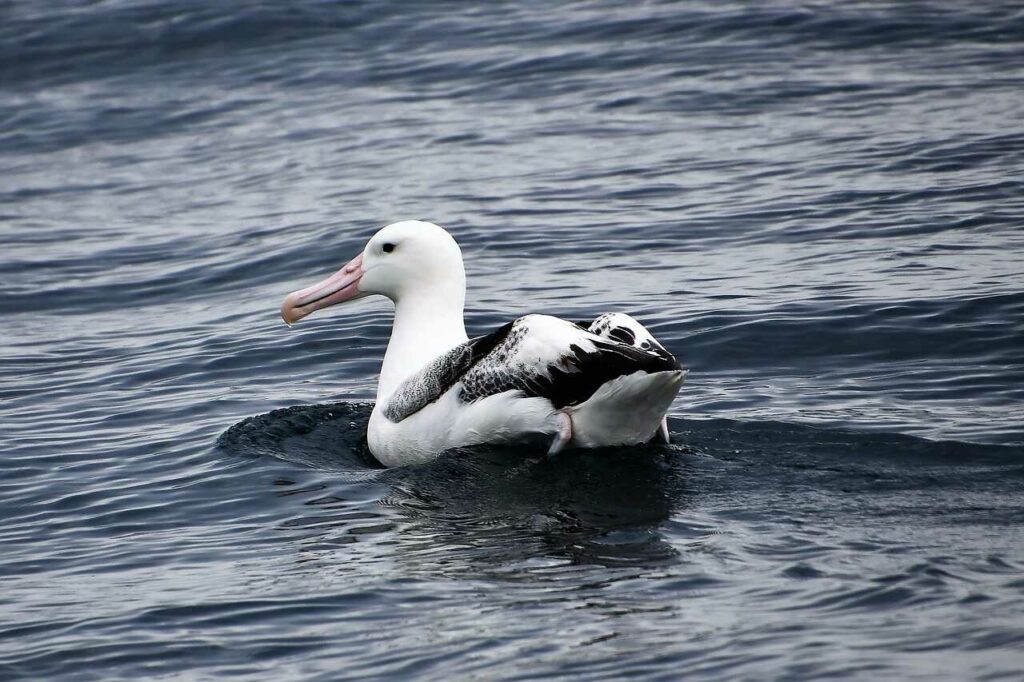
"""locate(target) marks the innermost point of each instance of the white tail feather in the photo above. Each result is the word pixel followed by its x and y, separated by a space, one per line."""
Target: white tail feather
pixel 627 410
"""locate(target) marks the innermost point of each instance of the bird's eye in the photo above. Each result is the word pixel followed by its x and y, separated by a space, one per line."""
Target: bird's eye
pixel 388 248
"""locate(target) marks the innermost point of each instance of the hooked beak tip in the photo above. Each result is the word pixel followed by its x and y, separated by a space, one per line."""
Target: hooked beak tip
pixel 339 287
pixel 289 312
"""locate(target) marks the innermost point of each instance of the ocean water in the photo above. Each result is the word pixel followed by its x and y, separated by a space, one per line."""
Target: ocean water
pixel 817 206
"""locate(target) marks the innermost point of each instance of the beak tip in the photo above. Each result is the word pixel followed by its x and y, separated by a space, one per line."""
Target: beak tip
pixel 288 311
pixel 339 287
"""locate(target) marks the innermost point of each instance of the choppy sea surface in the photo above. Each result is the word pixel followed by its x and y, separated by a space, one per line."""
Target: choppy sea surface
pixel 818 207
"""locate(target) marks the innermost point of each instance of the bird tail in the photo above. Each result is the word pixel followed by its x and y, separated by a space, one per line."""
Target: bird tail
pixel 627 410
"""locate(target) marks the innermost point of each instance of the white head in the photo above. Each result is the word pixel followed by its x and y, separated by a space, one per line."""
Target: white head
pixel 403 260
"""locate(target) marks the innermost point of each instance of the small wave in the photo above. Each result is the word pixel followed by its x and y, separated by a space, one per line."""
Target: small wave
pixel 325 437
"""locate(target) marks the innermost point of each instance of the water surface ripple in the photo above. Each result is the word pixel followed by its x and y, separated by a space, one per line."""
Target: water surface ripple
pixel 817 207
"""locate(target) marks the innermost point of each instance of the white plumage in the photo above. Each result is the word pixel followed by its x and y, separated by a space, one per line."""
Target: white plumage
pixel 606 382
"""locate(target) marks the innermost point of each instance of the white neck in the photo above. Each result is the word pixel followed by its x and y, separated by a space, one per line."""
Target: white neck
pixel 428 322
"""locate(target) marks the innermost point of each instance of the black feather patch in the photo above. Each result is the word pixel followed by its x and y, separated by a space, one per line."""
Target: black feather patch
pixel 579 373
pixel 623 334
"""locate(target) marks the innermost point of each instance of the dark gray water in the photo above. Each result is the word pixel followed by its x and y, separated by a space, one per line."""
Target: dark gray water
pixel 817 207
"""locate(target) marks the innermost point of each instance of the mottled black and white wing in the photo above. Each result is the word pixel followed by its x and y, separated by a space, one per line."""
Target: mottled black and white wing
pixel 554 359
pixel 441 374
pixel 625 329
pixel 538 356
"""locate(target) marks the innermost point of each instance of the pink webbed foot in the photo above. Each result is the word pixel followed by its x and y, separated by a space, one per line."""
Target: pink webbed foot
pixel 563 434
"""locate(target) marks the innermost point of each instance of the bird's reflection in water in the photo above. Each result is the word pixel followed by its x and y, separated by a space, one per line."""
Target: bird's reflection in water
pixel 511 511
pixel 500 506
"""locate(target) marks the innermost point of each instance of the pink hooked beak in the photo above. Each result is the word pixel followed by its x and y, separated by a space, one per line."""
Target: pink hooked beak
pixel 341 286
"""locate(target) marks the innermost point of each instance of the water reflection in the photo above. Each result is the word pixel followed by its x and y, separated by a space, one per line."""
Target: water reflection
pixel 484 510
pixel 501 506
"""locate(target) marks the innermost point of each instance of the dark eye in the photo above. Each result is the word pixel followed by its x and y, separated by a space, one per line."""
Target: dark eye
pixel 388 248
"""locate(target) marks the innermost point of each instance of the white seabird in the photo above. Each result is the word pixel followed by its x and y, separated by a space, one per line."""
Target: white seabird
pixel 588 384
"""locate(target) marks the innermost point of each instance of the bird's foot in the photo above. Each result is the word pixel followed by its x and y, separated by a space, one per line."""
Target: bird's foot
pixel 563 424
pixel 663 430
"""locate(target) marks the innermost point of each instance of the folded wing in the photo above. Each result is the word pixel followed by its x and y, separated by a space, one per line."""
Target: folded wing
pixel 536 355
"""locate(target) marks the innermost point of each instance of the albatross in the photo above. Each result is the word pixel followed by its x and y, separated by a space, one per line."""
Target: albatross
pixel 583 384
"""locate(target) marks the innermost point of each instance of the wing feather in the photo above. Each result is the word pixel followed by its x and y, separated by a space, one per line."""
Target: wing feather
pixel 537 355
pixel 439 375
